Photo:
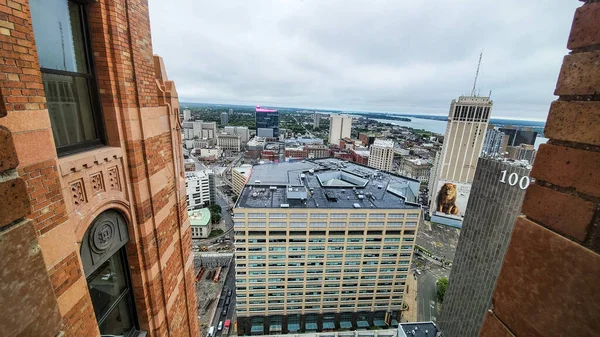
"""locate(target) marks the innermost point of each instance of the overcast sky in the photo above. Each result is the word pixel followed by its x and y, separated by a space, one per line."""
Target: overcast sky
pixel 395 56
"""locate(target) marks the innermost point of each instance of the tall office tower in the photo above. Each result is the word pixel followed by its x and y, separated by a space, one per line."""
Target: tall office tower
pixel 317 120
pixel 322 244
pixel 267 122
pixel 187 115
pixel 200 189
pixel 495 142
pixel 548 284
pixel 381 154
pixel 522 152
pixel 517 136
pixel 340 127
pixel 224 118
pixel 494 204
pixel 467 123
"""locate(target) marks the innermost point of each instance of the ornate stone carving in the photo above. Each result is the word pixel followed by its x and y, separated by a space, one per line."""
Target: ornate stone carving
pixel 114 182
pixel 97 182
pixel 78 192
pixel 102 236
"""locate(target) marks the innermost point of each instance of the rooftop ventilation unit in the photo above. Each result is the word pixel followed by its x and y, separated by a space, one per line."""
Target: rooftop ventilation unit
pixel 273 187
pixel 285 205
pixel 257 181
pixel 356 205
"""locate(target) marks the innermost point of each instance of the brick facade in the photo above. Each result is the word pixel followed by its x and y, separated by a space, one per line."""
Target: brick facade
pixel 139 173
pixel 547 282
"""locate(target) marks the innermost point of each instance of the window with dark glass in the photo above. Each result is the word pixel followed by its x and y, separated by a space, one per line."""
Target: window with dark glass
pixel 61 38
pixel 105 265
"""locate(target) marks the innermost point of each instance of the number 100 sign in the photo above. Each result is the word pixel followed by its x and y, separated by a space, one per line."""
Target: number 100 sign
pixel 514 179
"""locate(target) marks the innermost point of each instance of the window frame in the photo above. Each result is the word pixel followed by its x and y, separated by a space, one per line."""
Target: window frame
pixel 93 88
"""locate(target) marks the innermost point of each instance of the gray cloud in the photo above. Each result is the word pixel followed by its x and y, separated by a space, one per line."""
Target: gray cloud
pixel 396 56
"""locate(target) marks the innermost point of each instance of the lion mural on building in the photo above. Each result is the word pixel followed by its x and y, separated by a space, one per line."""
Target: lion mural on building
pixel 446 199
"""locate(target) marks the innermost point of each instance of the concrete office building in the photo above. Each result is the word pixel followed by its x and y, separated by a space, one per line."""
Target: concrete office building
pixel 455 167
pixel 517 136
pixel 381 154
pixel 199 129
pixel 224 118
pixel 415 168
pixel 494 204
pixel 522 152
pixel 241 131
pixel 322 243
pixel 317 119
pixel 239 176
pixel 200 189
pixel 229 142
pixel 187 115
pixel 495 142
pixel 395 329
pixel 267 122
pixel 340 127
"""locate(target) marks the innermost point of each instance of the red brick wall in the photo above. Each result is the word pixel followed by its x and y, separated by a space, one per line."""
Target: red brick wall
pixel 547 285
pixel 140 175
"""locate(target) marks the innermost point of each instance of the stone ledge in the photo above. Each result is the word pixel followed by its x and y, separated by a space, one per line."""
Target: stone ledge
pixel 88 159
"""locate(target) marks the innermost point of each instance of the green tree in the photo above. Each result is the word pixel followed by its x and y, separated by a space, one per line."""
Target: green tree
pixel 234 198
pixel 215 208
pixel 215 217
pixel 441 286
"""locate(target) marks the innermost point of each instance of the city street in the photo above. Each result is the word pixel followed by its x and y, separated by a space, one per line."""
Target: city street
pixel 228 285
pixel 426 294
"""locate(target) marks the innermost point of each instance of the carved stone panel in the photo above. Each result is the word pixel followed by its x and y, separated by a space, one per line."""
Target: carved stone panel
pixel 97 181
pixel 113 178
pixel 78 192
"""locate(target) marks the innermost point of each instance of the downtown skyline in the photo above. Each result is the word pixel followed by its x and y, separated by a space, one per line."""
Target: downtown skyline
pixel 403 58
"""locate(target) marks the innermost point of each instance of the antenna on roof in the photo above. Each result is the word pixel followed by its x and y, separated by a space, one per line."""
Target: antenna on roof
pixel 476 74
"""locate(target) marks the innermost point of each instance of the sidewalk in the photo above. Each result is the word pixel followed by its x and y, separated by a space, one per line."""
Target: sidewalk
pixel 410 298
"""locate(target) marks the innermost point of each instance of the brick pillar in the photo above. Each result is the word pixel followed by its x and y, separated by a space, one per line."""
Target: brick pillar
pixel 548 284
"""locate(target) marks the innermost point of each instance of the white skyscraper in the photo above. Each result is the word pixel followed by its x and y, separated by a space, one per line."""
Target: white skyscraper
pixel 187 115
pixel 339 128
pixel 381 154
pixel 465 133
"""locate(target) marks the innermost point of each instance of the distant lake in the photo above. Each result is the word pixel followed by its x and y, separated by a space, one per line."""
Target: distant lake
pixel 440 126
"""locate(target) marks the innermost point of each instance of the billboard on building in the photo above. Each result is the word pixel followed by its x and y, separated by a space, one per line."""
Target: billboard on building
pixel 451 199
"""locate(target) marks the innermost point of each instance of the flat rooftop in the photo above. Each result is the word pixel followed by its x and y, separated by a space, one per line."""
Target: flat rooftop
pixel 327 183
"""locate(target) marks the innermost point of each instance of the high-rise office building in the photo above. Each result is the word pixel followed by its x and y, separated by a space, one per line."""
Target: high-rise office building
pixel 239 176
pixel 381 154
pixel 455 168
pixel 548 282
pixel 187 115
pixel 518 136
pixel 200 189
pixel 494 204
pixel 224 118
pixel 522 152
pixel 340 127
pixel 322 243
pixel 317 119
pixel 495 142
pixel 199 130
pixel 267 122
pixel 241 131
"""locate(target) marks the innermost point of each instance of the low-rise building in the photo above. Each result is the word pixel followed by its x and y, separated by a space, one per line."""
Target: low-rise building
pixel 199 129
pixel 361 156
pixel 209 154
pixel 200 223
pixel 229 142
pixel 415 168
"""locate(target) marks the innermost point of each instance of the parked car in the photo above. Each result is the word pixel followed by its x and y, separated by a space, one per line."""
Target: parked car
pixel 220 326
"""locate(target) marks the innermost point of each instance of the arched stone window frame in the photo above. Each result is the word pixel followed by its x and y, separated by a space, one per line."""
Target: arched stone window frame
pixel 106 270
